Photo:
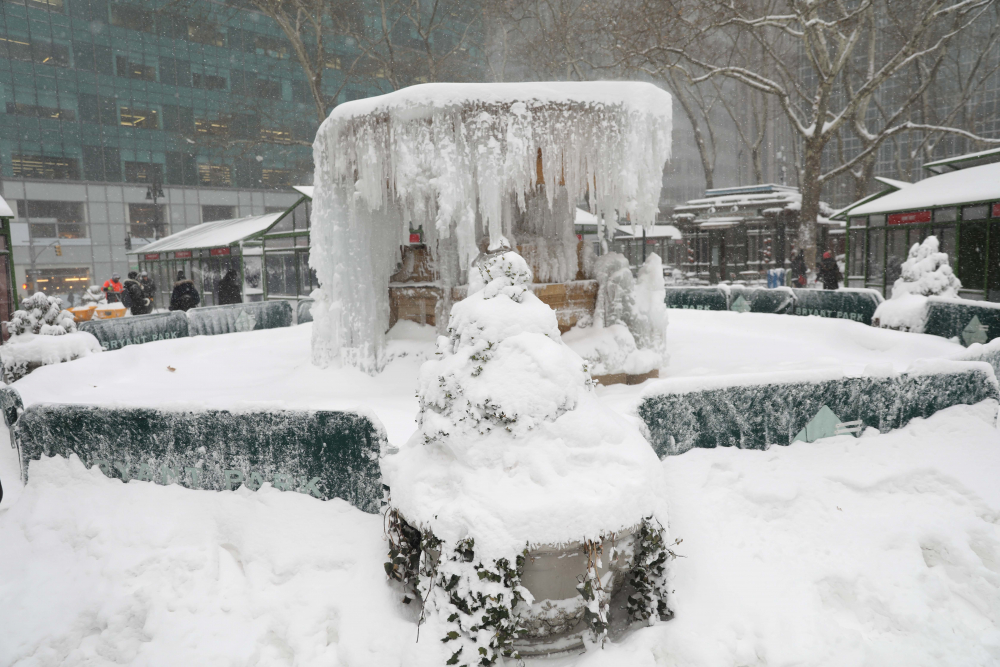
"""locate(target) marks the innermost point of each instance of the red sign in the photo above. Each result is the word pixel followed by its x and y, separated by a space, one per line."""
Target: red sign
pixel 215 252
pixel 182 254
pixel 650 241
pixel 154 255
pixel 909 218
pixel 996 210
pixel 415 237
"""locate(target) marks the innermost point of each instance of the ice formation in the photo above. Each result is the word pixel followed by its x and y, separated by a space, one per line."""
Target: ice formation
pixel 926 272
pixel 513 451
pixel 629 330
pixel 464 161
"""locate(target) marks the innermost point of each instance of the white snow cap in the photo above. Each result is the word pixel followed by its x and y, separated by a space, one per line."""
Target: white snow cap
pixel 513 447
pixel 459 160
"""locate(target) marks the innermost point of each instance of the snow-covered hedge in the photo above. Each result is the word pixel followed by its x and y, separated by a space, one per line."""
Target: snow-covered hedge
pixel 123 331
pixel 319 453
pixel 852 304
pixel 239 317
pixel 765 410
pixel 969 321
pixel 42 333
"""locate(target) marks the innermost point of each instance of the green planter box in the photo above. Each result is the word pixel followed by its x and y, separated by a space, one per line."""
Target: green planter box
pixel 756 416
pixel 850 304
pixel 779 301
pixel 698 298
pixel 123 331
pixel 969 321
pixel 322 454
pixel 214 320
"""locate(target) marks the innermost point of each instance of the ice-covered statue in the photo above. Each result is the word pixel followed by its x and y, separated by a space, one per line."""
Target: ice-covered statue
pixel 521 505
pixel 467 163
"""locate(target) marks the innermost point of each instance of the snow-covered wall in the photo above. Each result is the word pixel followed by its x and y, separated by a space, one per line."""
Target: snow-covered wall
pixel 465 161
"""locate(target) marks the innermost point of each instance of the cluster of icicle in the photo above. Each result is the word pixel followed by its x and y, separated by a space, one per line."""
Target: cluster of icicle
pixel 463 161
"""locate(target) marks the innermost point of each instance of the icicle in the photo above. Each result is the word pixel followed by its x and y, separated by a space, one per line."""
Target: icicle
pixel 454 157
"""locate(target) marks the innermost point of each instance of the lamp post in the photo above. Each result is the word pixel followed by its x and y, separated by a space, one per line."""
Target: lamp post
pixel 154 192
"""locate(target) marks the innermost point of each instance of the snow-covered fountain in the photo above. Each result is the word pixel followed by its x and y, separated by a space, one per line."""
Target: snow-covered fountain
pixel 522 512
pixel 469 164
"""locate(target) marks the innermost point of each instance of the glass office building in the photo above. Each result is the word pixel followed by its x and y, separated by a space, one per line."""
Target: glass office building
pixel 101 102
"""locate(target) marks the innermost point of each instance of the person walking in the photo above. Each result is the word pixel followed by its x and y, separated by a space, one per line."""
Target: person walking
pixel 113 288
pixel 132 295
pixel 229 288
pixel 799 270
pixel 148 287
pixel 828 272
pixel 185 295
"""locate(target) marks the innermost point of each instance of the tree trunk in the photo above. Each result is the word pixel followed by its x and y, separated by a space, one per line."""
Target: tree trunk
pixel 811 189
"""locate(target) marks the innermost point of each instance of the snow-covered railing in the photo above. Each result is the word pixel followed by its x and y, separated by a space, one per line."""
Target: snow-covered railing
pixel 756 411
pixel 320 453
pixel 239 317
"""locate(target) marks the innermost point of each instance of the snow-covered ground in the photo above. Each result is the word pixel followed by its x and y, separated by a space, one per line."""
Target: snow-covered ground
pixel 882 550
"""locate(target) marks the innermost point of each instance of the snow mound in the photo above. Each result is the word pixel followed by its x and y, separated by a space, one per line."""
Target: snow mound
pixel 21 353
pixel 461 160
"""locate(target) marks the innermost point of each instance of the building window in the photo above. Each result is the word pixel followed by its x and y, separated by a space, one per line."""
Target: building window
pixel 206 33
pixel 268 89
pixel 276 136
pixel 208 81
pixel 143 172
pixel 146 119
pixel 277 178
pixel 210 213
pixel 35 111
pixel 102 164
pixel 214 127
pixel 270 46
pixel 49 5
pixel 979 212
pixel 58 282
pixel 945 214
pixel 133 70
pixel 44 167
pixel 132 18
pixel 53 219
pixel 178 119
pixel 181 169
pixel 147 221
pixel 43 53
pixel 92 58
pixel 96 109
pixel 175 72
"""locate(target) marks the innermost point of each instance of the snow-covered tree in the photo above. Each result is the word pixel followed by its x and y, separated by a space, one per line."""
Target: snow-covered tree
pixel 927 272
pixel 514 452
pixel 40 314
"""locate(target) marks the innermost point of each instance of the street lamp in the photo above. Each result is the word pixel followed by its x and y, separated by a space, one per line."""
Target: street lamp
pixel 155 192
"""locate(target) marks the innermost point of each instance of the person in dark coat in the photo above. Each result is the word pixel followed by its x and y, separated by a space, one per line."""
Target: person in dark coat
pixel 148 287
pixel 229 289
pixel 828 272
pixel 799 270
pixel 185 295
pixel 132 296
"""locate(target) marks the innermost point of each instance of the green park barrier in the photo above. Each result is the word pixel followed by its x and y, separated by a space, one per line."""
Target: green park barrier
pixel 754 416
pixel 780 300
pixel 303 313
pixel 323 454
pixel 969 321
pixel 857 304
pixel 214 320
pixel 698 298
pixel 123 331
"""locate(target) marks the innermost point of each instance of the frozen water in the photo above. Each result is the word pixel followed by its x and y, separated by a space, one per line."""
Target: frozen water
pixel 464 161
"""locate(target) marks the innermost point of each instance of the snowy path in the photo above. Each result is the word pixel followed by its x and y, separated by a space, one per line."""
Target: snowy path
pixel 883 550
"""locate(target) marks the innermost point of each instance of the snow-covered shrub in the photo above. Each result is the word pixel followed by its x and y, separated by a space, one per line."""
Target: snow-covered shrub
pixel 926 272
pixel 40 314
pixel 629 332
pixel 513 451
pixel 94 295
